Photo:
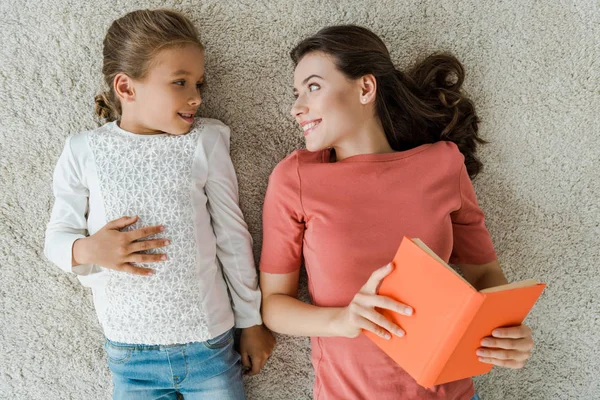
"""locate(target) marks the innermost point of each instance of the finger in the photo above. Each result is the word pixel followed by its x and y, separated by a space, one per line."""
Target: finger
pixel 375 279
pixel 503 363
pixel 367 325
pixel 121 223
pixel 503 354
pixel 525 344
pixel 246 360
pixel 256 364
pixel 512 332
pixel 144 232
pixel 370 300
pixel 131 269
pixel 378 319
pixel 147 245
pixel 146 258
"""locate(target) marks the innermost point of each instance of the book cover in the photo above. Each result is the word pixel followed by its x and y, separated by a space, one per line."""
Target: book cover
pixel 450 316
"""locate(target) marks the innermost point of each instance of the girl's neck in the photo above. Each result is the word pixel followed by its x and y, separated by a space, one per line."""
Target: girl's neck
pixel 131 125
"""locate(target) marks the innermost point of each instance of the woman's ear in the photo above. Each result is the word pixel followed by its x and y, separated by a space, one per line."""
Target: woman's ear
pixel 124 88
pixel 368 89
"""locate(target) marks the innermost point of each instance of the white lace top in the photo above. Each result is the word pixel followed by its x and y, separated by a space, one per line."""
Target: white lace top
pixel 186 183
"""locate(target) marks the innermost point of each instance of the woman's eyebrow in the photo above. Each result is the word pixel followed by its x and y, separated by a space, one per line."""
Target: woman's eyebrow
pixel 310 77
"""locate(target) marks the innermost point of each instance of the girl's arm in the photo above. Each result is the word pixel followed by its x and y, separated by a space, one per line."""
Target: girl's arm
pixel 234 250
pixel 234 243
pixel 67 243
pixel 68 219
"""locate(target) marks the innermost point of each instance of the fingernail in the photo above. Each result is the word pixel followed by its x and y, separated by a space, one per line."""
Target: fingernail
pixel 162 228
pixel 387 336
pixel 408 311
pixel 496 333
pixel 399 332
pixel 480 353
pixel 167 242
pixel 485 342
pixel 163 257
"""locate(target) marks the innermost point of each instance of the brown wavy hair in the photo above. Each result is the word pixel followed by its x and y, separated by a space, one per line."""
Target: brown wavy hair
pixel 130 44
pixel 423 105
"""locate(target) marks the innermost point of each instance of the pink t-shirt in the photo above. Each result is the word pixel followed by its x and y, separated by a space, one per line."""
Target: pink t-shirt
pixel 344 220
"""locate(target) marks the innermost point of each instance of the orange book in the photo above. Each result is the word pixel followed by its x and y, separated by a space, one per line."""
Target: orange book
pixel 450 316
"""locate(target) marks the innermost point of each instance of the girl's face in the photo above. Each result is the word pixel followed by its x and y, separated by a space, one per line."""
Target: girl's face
pixel 167 98
pixel 327 106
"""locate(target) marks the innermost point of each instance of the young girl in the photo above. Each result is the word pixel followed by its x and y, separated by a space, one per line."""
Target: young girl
pixel 168 325
pixel 388 155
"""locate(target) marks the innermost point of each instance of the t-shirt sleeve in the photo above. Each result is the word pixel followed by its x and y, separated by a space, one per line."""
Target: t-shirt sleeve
pixel 472 242
pixel 283 220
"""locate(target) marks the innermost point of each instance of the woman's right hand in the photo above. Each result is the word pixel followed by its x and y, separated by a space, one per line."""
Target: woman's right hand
pixel 113 249
pixel 361 314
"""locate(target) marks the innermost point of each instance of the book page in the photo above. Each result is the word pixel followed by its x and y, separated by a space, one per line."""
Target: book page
pixel 508 286
pixel 426 249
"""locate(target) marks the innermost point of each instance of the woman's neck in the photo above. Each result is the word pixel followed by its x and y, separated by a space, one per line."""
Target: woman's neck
pixel 370 139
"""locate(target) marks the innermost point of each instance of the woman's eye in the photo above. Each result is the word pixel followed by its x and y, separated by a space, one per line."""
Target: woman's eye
pixel 313 86
pixel 180 83
pixel 199 85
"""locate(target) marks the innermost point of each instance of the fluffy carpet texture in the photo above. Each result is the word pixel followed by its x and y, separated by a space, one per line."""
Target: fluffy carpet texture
pixel 532 71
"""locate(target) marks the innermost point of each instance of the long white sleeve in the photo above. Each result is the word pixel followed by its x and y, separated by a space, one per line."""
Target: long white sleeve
pixel 68 220
pixel 234 243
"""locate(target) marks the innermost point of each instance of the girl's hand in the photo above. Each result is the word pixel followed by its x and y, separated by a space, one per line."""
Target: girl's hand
pixel 113 249
pixel 361 314
pixel 507 347
pixel 256 345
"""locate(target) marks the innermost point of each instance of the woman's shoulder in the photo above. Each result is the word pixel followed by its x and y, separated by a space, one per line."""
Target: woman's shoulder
pixel 297 158
pixel 287 170
pixel 445 152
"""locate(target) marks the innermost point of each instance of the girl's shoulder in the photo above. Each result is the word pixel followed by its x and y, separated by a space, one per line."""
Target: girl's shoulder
pixel 210 130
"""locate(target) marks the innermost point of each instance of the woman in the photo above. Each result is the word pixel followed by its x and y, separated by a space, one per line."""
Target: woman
pixel 389 154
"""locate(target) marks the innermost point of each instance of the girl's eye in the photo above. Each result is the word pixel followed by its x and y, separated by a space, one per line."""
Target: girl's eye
pixel 313 86
pixel 199 85
pixel 180 83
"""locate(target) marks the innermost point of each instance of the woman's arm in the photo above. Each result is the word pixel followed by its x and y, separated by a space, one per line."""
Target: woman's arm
pixel 284 313
pixel 484 276
pixel 508 346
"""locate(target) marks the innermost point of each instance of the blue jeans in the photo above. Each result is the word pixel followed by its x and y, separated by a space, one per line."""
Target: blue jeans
pixel 199 370
pixel 476 397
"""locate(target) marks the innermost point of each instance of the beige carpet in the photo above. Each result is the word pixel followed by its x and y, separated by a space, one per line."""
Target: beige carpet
pixel 533 73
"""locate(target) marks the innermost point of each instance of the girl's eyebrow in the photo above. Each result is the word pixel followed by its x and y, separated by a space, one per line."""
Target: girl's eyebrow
pixel 183 72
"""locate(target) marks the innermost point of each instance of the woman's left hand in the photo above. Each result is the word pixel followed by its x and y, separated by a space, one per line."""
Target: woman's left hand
pixel 507 347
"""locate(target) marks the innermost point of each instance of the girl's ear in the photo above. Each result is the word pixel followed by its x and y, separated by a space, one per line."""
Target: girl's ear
pixel 368 89
pixel 124 88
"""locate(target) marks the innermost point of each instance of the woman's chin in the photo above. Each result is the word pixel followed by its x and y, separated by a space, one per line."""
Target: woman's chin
pixel 313 146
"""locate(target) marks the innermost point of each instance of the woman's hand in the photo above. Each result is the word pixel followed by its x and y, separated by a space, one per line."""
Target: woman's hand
pixel 361 314
pixel 113 249
pixel 507 347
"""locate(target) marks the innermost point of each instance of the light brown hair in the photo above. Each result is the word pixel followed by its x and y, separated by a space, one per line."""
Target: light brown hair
pixel 130 45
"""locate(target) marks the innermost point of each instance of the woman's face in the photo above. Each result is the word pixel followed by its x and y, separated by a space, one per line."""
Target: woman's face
pixel 328 104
